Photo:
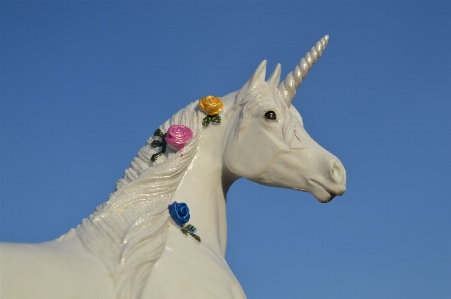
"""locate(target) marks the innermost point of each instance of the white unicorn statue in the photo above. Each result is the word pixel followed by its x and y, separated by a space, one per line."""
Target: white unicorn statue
pixel 138 244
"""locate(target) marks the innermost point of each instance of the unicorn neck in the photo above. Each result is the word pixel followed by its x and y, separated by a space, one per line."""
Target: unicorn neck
pixel 204 188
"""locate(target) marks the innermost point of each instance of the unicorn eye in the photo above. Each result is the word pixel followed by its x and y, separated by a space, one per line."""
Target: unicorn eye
pixel 271 115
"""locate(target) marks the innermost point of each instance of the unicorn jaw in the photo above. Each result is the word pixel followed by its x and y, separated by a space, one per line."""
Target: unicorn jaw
pixel 296 174
pixel 294 169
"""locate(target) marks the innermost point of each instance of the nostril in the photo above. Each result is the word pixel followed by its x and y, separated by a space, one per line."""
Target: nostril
pixel 337 172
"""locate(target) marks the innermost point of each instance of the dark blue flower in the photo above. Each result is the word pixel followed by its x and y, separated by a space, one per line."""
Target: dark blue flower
pixel 179 213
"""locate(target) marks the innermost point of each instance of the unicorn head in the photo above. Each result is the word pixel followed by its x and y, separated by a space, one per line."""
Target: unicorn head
pixel 268 143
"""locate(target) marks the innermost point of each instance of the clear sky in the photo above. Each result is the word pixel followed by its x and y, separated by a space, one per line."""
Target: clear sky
pixel 84 84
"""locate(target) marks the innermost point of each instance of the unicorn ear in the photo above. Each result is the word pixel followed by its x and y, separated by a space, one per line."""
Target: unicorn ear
pixel 274 79
pixel 257 78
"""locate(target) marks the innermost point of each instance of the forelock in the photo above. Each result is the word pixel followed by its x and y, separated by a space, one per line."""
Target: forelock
pixel 256 97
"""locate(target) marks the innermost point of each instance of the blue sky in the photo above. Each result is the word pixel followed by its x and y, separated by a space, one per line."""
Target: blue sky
pixel 84 84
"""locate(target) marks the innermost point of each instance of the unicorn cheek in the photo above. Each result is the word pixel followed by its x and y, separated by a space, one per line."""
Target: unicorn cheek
pixel 251 154
pixel 297 138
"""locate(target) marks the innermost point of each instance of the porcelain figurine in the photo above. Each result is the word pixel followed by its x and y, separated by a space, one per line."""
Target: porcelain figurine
pixel 163 232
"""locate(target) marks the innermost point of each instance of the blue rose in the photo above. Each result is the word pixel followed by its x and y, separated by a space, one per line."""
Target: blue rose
pixel 179 213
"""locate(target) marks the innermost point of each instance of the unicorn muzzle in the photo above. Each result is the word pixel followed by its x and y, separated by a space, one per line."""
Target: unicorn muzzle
pixel 335 183
pixel 328 183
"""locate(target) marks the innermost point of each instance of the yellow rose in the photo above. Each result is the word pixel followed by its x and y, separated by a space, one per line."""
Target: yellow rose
pixel 211 105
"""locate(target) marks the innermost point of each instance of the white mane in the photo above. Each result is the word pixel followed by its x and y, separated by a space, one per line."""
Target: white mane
pixel 134 220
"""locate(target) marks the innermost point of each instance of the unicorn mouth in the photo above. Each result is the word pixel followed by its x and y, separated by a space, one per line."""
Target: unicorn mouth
pixel 320 192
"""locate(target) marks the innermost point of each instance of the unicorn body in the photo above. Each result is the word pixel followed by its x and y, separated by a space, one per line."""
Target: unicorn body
pixel 130 247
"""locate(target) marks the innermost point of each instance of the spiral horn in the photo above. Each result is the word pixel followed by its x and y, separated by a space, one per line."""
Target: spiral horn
pixel 294 79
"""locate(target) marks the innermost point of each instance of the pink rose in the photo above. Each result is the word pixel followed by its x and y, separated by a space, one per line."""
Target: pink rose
pixel 178 136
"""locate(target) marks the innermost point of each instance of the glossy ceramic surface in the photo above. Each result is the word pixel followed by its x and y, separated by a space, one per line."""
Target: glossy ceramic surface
pixel 130 247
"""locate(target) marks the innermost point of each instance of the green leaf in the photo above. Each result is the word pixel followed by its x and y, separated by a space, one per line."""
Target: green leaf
pixel 216 119
pixel 185 230
pixel 156 143
pixel 158 133
pixel 195 236
pixel 155 156
pixel 206 121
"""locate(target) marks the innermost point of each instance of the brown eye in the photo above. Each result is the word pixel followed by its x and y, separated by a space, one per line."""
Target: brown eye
pixel 271 115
